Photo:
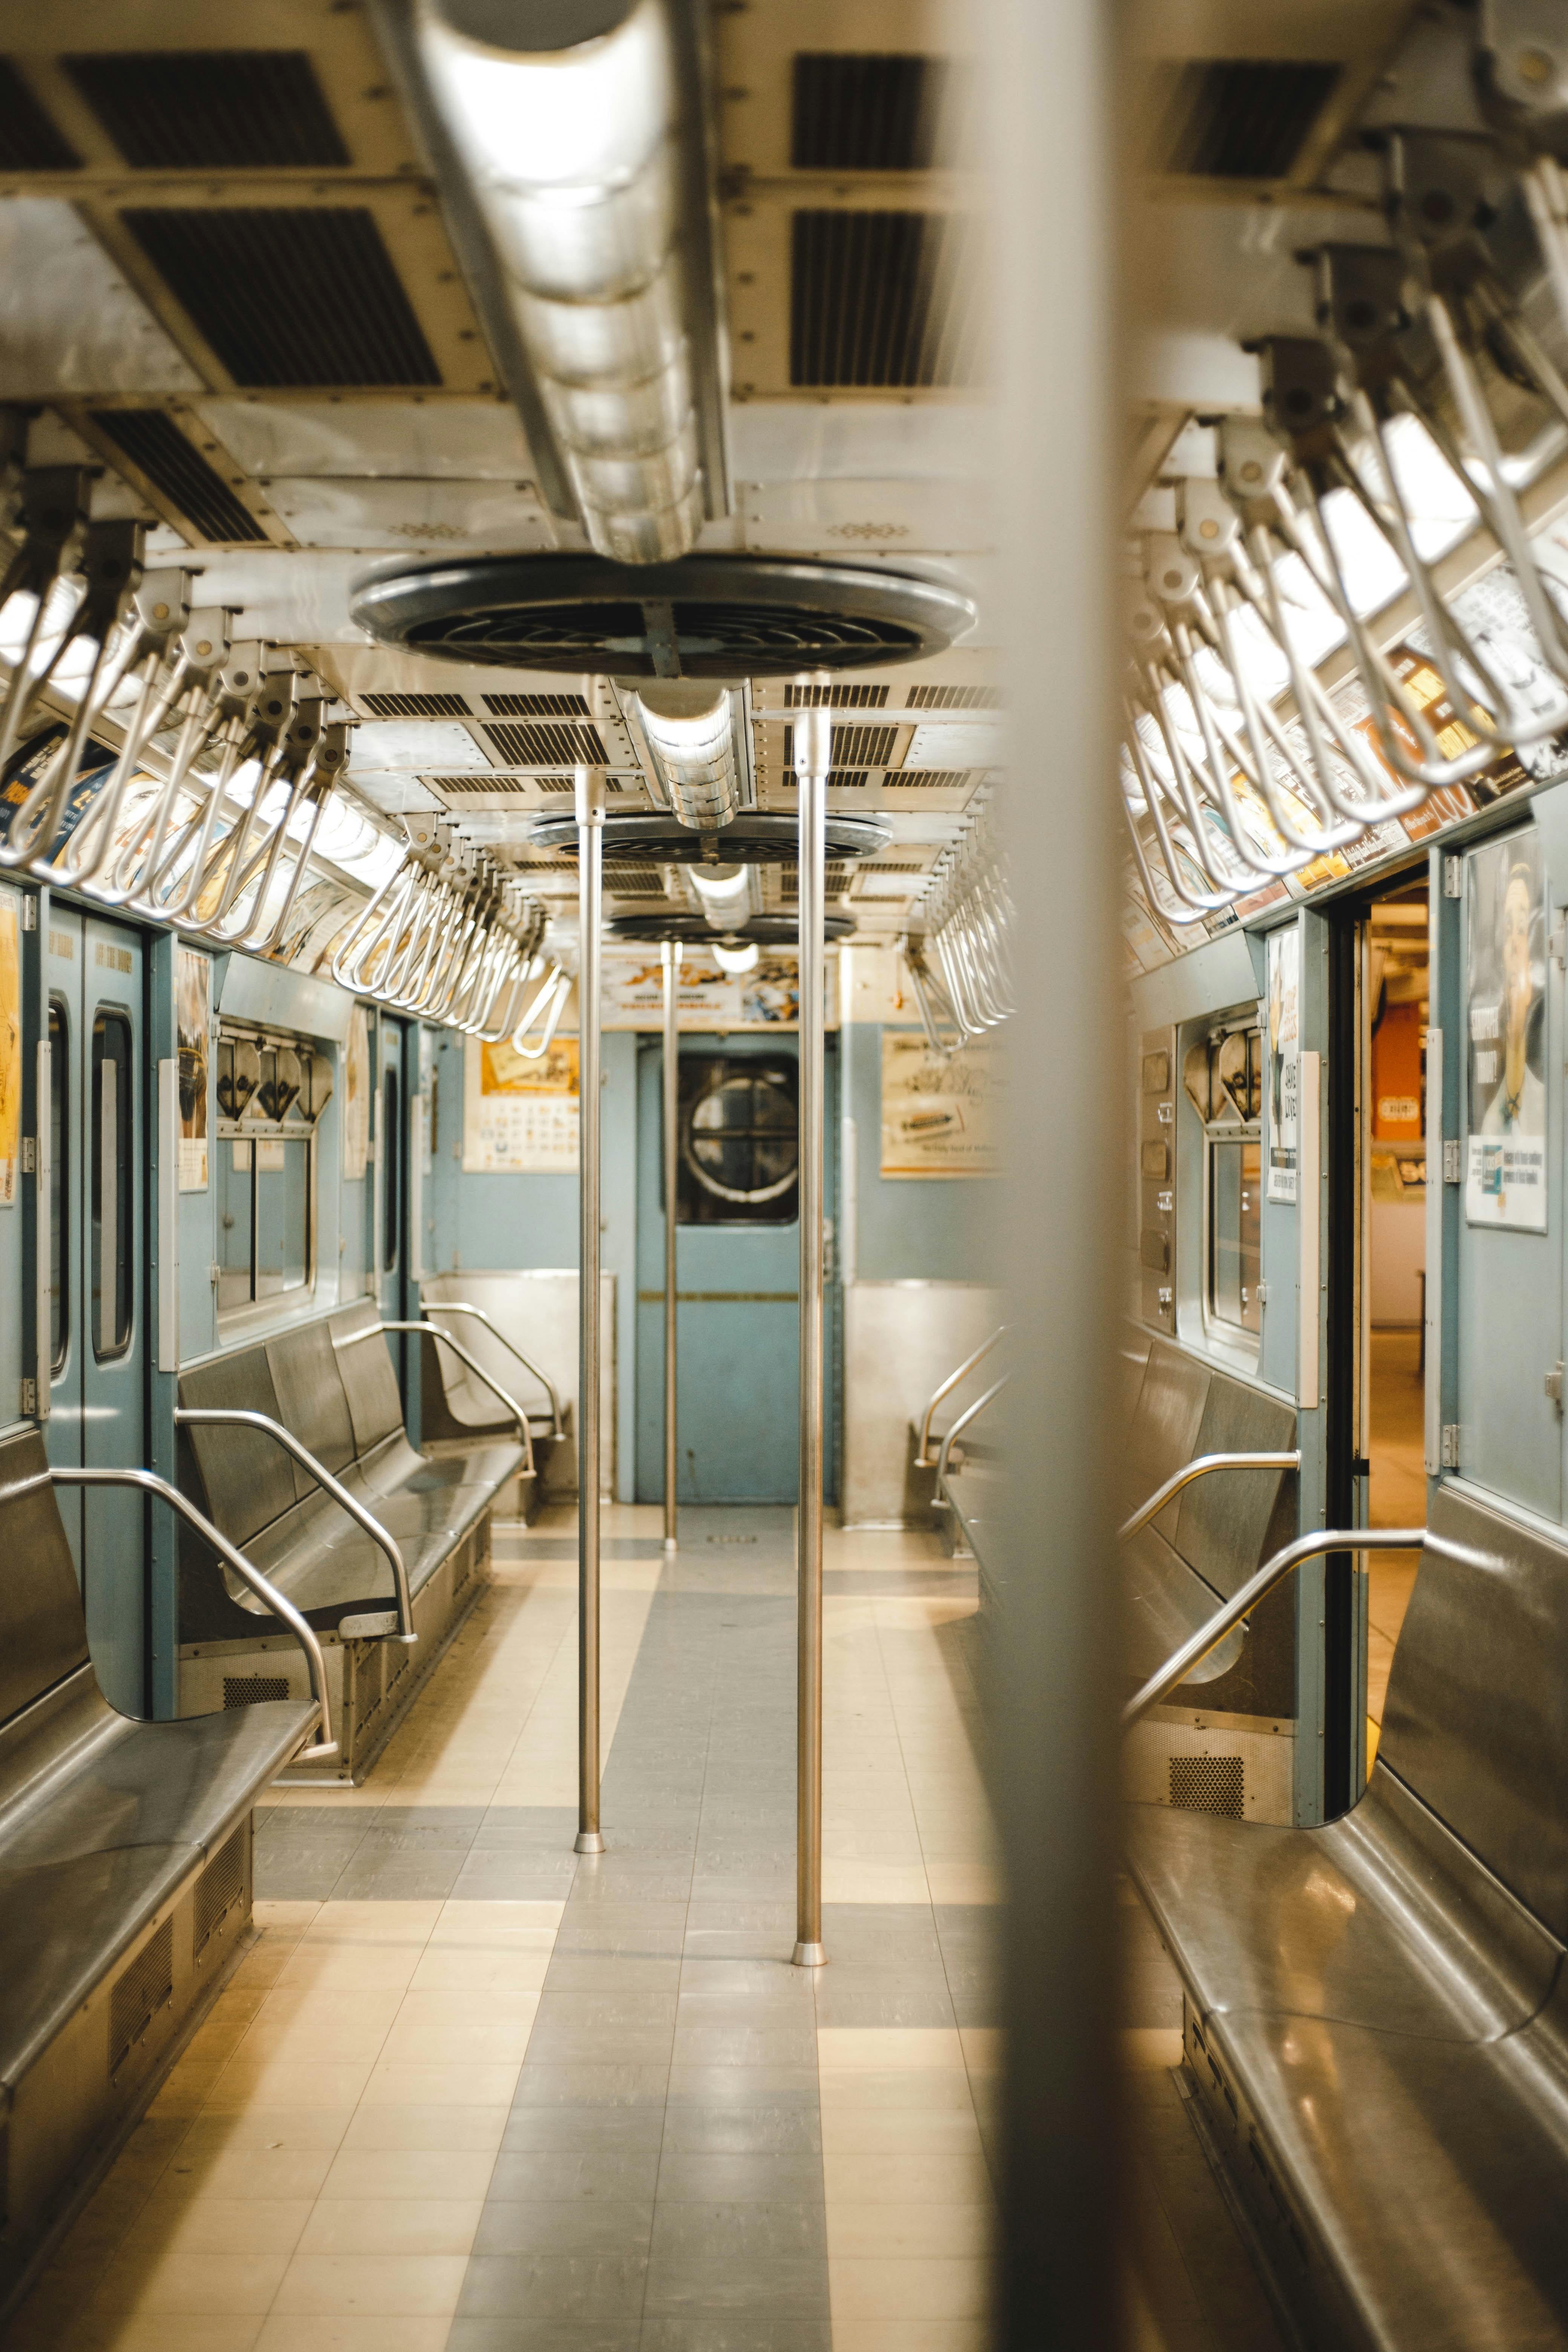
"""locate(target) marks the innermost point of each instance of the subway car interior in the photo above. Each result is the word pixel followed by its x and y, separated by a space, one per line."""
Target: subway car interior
pixel 784 901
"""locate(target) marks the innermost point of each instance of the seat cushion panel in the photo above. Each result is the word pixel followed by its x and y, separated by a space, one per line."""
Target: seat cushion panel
pixel 249 1479
pixel 1230 1522
pixel 370 1382
pixel 42 1634
pixel 310 1392
pixel 1166 1604
pixel 1164 1428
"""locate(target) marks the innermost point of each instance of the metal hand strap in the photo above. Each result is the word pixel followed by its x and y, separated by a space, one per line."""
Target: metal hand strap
pixel 276 1602
pixel 1209 1636
pixel 461 1306
pixel 434 1331
pixel 226 1417
pixel 1200 1467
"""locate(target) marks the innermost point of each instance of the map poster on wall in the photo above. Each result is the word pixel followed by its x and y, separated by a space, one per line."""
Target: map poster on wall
pixel 192 1025
pixel 1282 1092
pixel 936 1113
pixel 519 1118
pixel 10 1048
pixel 356 1097
pixel 1505 1020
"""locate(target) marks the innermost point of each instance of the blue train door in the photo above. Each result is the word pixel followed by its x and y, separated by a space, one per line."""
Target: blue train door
pixel 739 1270
pixel 92 972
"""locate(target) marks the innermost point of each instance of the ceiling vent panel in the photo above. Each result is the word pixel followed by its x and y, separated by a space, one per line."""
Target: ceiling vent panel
pixel 211 110
pixel 955 697
pixel 29 140
pixel 537 706
pixel 834 697
pixel 853 747
pixel 1235 118
pixel 928 779
pixel 541 745
pixel 289 295
pixel 880 113
pixel 415 705
pixel 885 300
pixel 155 445
pixel 454 785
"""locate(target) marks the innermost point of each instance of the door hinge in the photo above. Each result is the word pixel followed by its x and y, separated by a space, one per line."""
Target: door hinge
pixel 30 914
pixel 215 1273
pixel 1557 944
pixel 1554 1385
pixel 1453 1159
pixel 1449 1451
pixel 29 1156
pixel 30 1398
pixel 1453 877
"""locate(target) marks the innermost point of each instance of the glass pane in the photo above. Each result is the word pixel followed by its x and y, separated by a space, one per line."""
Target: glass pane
pixel 59 1189
pixel 232 1161
pixel 1225 1230
pixel 739 1147
pixel 283 1215
pixel 109 1178
pixel 1251 1232
pixel 392 1168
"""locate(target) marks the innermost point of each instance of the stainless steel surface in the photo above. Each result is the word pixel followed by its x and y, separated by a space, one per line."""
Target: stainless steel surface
pixel 434 1331
pixel 462 1306
pixel 43 1275
pixel 214 1417
pixel 692 730
pixel 813 753
pixel 671 1098
pixel 900 1338
pixel 590 809
pixel 1204 1464
pixel 252 1578
pixel 971 1412
pixel 922 1451
pixel 1256 1588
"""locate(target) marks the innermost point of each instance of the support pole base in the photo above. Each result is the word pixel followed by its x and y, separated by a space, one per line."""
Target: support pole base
pixel 810 1955
pixel 589 1841
pixel 670 1544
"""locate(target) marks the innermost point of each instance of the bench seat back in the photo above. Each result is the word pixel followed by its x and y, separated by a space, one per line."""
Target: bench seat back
pixel 43 1631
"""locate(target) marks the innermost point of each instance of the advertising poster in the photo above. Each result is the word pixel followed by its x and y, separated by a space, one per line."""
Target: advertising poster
pixel 10 1048
pixel 766 997
pixel 1282 1089
pixel 193 1025
pixel 1505 1009
pixel 356 1097
pixel 936 1114
pixel 519 1118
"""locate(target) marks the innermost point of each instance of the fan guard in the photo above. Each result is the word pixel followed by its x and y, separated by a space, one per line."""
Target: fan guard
pixel 695 930
pixel 757 839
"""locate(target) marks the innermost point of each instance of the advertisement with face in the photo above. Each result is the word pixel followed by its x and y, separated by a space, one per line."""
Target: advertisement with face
pixel 1282 1051
pixel 1505 1181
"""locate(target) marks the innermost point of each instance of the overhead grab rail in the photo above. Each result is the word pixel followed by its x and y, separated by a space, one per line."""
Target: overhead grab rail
pixel 971 1412
pixel 1210 1634
pixel 434 1331
pixel 1199 1467
pixel 922 1455
pixel 461 1306
pixel 227 1417
pixel 278 1604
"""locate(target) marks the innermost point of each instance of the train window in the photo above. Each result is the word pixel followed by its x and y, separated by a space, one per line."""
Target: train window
pixel 1223 1078
pixel 111 1186
pixel 391 1150
pixel 271 1090
pixel 739 1148
pixel 59 1188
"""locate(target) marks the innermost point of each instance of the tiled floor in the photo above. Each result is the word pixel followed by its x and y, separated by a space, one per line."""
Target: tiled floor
pixel 1398 1497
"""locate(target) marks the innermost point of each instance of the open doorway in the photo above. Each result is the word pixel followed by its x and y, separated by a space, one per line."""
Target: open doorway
pixel 1396 993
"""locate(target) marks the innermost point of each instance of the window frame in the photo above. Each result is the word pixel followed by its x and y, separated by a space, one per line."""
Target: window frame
pixel 299 1126
pixel 1220 1332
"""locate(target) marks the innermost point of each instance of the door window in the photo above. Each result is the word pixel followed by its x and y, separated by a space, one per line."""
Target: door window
pixel 391 1150
pixel 59 1187
pixel 1223 1078
pixel 111 1186
pixel 739 1146
pixel 271 1090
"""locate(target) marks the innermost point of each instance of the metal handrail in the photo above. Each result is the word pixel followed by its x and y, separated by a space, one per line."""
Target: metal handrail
pixel 234 1417
pixel 972 1412
pixel 434 1331
pixel 1209 1636
pixel 278 1602
pixel 1199 1467
pixel 923 1461
pixel 461 1306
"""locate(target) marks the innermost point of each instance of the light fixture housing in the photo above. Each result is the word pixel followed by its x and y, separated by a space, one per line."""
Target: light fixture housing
pixel 698 738
pixel 743 957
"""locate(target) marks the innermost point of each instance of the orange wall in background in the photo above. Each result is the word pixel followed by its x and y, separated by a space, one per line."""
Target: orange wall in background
pixel 1396 1075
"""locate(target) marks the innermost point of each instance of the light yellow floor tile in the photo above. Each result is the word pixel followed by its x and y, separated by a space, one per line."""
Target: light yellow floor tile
pixel 906 2232
pixel 367 2286
pixel 374 1923
pixel 981 2048
pixel 163 2331
pixel 462 2130
pixel 910 2176
pixel 963 1882
pixel 907 2087
pixel 873 2288
pixel 146 2280
pixel 435 2009
pixel 873 1882
pixel 348 1966
pixel 954 2128
pixel 910 2335
pixel 399 2174
pixel 884 2047
pixel 393 2225
pixel 262 2126
pixel 250 2173
pixel 221 2225
pixel 286 2333
pixel 283 1918
pixel 1149 2049
pixel 288 2083
pixel 457 2086
pixel 452 1968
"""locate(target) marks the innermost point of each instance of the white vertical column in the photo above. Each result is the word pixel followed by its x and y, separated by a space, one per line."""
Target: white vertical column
pixel 813 746
pixel 590 784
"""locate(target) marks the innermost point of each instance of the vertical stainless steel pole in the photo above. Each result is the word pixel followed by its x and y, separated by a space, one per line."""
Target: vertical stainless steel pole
pixel 812 741
pixel 590 784
pixel 671 1180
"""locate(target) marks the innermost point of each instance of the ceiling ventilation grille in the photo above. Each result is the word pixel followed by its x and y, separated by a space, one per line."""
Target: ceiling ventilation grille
pixel 853 747
pixel 536 705
pixel 29 140
pixel 155 443
pixel 289 295
pixel 1234 118
pixel 834 697
pixel 415 705
pixel 211 110
pixel 885 300
pixel 539 745
pixel 928 780
pixel 789 878
pixel 455 785
pixel 880 113
pixel 955 697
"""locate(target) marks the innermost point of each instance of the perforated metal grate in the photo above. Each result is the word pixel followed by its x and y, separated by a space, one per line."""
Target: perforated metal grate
pixel 457 785
pixel 526 744
pixel 211 110
pixel 536 705
pixel 886 299
pixel 253 1690
pixel 29 140
pixel 881 112
pixel 955 697
pixel 370 1684
pixel 143 1990
pixel 852 747
pixel 289 295
pixel 415 705
pixel 834 697
pixel 1235 118
pixel 154 443
pixel 219 1888
pixel 928 780
pixel 1209 1784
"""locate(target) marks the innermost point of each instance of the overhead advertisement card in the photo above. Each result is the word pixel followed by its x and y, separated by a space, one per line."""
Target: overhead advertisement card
pixel 1505 1020
pixel 521 1116
pixel 937 1110
pixel 1281 1094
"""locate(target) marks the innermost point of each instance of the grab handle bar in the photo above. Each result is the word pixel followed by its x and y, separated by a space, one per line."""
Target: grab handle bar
pixel 234 1417
pixel 460 1306
pixel 923 1461
pixel 1199 1467
pixel 1209 1636
pixel 972 1412
pixel 434 1331
pixel 278 1602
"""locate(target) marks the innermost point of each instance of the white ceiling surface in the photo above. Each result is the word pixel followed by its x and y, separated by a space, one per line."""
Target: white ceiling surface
pixel 69 322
